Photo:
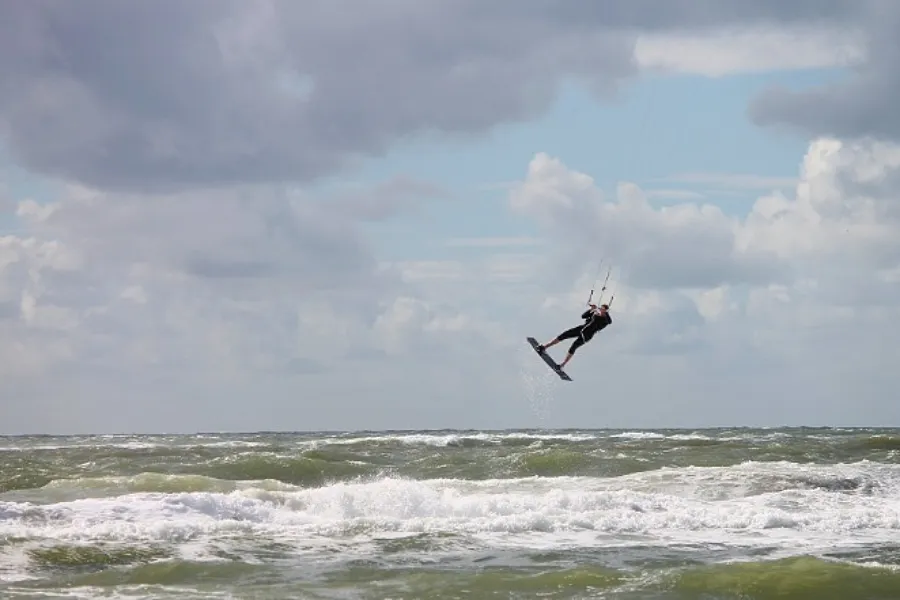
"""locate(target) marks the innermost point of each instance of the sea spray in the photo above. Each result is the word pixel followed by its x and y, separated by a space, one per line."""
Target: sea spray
pixel 538 385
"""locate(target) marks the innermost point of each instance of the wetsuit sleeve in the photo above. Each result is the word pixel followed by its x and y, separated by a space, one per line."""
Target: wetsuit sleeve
pixel 586 314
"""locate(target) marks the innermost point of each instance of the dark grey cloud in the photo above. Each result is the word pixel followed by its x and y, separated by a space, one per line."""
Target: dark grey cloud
pixel 167 94
pixel 863 105
pixel 9 309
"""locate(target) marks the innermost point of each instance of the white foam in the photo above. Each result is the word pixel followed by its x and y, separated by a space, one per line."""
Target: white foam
pixel 442 440
pixel 133 445
pixel 690 437
pixel 752 504
pixel 639 435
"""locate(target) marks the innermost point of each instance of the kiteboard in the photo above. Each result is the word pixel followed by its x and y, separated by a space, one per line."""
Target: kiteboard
pixel 550 362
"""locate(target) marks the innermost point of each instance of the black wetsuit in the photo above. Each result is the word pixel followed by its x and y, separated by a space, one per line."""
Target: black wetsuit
pixel 583 333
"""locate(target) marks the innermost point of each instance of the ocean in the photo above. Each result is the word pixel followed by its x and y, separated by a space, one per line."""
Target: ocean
pixel 711 514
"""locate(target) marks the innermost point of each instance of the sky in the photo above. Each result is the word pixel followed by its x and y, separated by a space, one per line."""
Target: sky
pixel 332 215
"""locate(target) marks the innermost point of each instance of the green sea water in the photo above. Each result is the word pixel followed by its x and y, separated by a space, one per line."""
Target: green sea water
pixel 709 514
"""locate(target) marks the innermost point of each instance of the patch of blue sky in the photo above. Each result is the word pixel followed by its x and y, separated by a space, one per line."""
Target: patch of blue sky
pixel 658 128
pixel 17 184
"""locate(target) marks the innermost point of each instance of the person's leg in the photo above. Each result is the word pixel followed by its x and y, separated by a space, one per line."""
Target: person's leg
pixel 577 343
pixel 568 333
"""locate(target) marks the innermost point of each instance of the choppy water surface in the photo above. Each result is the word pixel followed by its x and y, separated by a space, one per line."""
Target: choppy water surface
pixel 707 514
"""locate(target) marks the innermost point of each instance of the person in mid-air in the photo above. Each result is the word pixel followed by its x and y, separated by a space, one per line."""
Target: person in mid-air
pixel 595 320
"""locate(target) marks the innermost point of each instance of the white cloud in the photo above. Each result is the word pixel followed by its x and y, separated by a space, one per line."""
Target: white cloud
pixel 836 215
pixel 684 244
pixel 797 283
pixel 251 309
pixel 729 51
pixel 842 213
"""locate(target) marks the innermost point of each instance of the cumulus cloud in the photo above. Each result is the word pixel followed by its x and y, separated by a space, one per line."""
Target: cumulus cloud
pixel 686 245
pixel 800 280
pixel 842 214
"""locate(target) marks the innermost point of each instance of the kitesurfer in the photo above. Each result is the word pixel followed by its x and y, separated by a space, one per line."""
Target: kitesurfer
pixel 596 318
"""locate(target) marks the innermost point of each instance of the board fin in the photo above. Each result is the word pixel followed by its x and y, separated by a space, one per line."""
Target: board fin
pixel 550 362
